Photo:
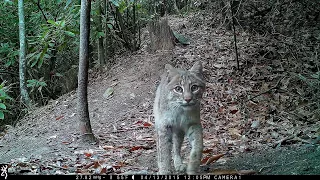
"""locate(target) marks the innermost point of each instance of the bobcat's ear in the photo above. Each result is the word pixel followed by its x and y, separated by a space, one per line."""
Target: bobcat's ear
pixel 197 68
pixel 168 67
pixel 170 72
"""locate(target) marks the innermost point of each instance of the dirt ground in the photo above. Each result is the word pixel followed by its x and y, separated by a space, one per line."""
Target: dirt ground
pixel 47 140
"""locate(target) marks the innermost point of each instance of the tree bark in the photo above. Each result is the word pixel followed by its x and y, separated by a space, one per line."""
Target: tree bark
pixel 101 56
pixel 161 35
pixel 83 110
pixel 22 56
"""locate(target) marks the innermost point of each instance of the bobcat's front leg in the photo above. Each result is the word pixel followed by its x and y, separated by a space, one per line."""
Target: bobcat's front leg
pixel 196 141
pixel 164 147
pixel 177 159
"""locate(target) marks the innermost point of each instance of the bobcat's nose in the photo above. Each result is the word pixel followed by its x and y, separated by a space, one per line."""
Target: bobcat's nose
pixel 187 99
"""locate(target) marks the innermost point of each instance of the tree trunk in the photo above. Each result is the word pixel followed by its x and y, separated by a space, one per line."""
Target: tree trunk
pixel 163 11
pixel 22 57
pixel 101 56
pixel 106 31
pixel 161 35
pixel 135 23
pixel 83 110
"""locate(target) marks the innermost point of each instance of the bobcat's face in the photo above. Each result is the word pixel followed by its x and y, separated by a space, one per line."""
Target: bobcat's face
pixel 185 87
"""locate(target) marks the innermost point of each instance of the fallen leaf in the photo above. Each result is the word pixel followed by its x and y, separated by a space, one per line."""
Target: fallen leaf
pixel 66 142
pixel 233 111
pixel 60 117
pixel 103 171
pixel 114 84
pixel 87 154
pixel 234 131
pixel 97 164
pixel 88 165
pixel 218 66
pixel 134 148
pixel 255 124
pixel 146 124
pixel 214 158
pixel 108 147
pixel 108 93
pixel 119 165
pixel 204 160
pixel 207 150
pixel 224 171
pixel 53 137
pixel 246 172
pixel 72 114
pixel 138 122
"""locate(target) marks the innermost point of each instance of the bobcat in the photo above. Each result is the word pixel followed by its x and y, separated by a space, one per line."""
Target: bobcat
pixel 177 113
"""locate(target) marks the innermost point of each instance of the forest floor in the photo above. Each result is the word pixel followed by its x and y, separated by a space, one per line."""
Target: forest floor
pixel 255 134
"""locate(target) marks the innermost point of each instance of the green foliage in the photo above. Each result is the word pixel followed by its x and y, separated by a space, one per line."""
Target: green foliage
pixel 3 97
pixel 52 42
pixel 36 84
pixel 9 54
pixel 54 36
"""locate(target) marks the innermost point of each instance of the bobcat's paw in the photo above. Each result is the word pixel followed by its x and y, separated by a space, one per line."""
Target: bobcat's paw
pixel 164 173
pixel 181 168
pixel 193 169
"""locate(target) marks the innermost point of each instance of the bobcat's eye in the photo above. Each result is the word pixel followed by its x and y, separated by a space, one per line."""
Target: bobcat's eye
pixel 178 89
pixel 194 88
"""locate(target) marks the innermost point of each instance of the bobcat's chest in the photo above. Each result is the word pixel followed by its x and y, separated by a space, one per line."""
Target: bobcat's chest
pixel 184 119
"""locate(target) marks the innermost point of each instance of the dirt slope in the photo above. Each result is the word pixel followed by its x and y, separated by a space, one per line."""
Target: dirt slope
pixel 46 141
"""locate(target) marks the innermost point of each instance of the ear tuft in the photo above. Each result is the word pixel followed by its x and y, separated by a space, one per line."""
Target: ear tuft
pixel 197 68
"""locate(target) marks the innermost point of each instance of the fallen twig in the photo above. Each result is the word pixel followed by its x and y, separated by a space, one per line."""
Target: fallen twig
pixel 267 91
pixel 55 166
pixel 278 143
pixel 293 138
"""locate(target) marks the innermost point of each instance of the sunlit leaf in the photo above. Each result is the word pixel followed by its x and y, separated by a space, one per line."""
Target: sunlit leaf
pixel 2 106
pixel 100 34
pixel 63 23
pixel 1 115
pixel 109 26
pixel 67 4
pixel 69 33
pixel 316 75
pixel 115 2
pixel 58 75
pixel 108 93
pixel 52 22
